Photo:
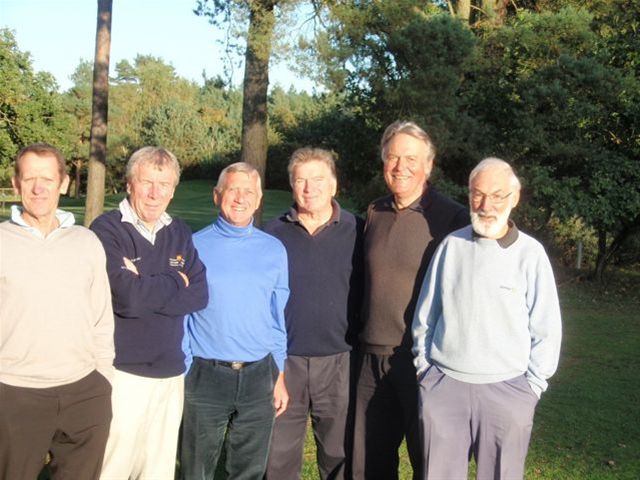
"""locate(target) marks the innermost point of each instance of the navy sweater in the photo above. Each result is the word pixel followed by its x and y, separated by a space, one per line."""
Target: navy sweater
pixel 325 279
pixel 149 308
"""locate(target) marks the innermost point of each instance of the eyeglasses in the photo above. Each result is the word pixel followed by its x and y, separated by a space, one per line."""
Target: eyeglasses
pixel 495 198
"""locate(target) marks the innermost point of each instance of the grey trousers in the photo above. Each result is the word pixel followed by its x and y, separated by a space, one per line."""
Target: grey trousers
pixel 490 421
pixel 318 386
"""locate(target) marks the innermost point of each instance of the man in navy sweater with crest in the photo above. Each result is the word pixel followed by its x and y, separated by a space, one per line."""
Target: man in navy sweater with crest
pixel 156 278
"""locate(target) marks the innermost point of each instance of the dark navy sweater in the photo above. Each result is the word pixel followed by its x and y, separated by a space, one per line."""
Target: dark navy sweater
pixel 149 308
pixel 325 280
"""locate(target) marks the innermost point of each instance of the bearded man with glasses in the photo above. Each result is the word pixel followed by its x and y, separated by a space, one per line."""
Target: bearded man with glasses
pixel 486 336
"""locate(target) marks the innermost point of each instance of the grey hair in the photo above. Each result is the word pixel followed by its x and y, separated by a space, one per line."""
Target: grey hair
pixel 241 167
pixel 494 162
pixel 157 156
pixel 408 128
pixel 308 154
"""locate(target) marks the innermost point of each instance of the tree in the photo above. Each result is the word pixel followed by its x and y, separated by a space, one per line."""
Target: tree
pixel 259 40
pixel 100 107
pixel 30 107
pixel 77 105
pixel 567 117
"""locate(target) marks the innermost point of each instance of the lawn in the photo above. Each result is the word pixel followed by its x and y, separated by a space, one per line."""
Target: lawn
pixel 587 425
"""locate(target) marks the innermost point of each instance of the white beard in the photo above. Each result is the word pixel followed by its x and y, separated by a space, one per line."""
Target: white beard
pixel 489 224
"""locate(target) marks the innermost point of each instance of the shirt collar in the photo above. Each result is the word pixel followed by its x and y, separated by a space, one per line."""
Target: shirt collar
pixel 507 239
pixel 420 204
pixel 65 220
pixel 293 217
pixel 130 216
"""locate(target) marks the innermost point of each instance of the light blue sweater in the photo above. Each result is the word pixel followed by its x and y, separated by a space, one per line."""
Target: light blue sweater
pixel 488 312
pixel 248 281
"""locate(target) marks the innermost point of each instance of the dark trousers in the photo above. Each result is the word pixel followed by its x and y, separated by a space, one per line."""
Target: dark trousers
pixel 222 401
pixel 71 421
pixel 490 421
pixel 386 412
pixel 318 386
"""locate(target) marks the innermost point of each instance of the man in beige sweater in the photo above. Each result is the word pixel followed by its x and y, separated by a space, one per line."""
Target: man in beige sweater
pixel 56 330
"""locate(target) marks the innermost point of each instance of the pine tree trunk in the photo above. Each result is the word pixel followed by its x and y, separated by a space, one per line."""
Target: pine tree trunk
pixel 254 141
pixel 100 106
pixel 463 10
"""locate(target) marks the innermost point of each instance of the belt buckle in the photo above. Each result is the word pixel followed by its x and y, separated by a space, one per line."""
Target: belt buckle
pixel 237 365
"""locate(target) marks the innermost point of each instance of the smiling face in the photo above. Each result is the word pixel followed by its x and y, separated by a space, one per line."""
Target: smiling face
pixel 492 196
pixel 238 198
pixel 150 190
pixel 39 185
pixel 406 168
pixel 313 187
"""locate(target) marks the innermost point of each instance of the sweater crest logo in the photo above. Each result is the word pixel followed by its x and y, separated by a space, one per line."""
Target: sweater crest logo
pixel 177 261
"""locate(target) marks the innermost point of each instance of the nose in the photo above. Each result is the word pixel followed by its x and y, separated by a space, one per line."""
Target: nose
pixel 37 186
pixel 238 196
pixel 154 190
pixel 401 164
pixel 484 202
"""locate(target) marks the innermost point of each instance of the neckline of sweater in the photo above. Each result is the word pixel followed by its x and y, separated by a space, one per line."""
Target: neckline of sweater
pixel 229 230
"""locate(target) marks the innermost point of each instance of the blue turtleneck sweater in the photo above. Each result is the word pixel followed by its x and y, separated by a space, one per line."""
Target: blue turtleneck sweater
pixel 247 277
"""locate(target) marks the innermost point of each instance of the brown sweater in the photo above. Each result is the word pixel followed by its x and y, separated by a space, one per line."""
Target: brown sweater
pixel 398 247
pixel 56 322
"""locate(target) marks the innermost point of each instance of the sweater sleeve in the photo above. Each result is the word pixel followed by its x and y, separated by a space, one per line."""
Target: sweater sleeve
pixel 428 311
pixel 545 324
pixel 103 324
pixel 135 295
pixel 279 298
pixel 196 296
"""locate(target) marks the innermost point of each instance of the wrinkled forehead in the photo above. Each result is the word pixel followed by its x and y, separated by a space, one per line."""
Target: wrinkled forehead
pixel 241 179
pixel 155 168
pixel 313 166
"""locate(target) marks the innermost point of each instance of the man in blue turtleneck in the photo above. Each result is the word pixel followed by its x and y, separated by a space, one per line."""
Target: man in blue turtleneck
pixel 235 385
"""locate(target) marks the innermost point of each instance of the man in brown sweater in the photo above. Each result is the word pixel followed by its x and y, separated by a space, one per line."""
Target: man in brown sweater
pixel 401 234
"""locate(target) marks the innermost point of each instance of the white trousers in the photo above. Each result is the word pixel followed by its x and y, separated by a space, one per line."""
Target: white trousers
pixel 144 430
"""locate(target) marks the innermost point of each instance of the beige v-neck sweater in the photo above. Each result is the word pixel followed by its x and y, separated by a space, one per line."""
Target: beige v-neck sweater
pixel 56 321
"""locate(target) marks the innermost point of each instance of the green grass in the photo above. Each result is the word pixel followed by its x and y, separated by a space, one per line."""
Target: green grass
pixel 587 425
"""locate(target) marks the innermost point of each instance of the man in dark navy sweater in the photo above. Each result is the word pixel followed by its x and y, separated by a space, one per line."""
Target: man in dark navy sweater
pixel 156 278
pixel 323 245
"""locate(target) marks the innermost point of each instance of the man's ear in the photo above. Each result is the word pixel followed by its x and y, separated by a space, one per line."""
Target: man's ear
pixel 16 185
pixel 428 167
pixel 516 199
pixel 64 185
pixel 216 198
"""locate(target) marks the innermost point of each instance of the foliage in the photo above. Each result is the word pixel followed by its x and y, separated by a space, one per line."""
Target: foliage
pixel 538 88
pixel 30 109
pixel 566 117
pixel 550 86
